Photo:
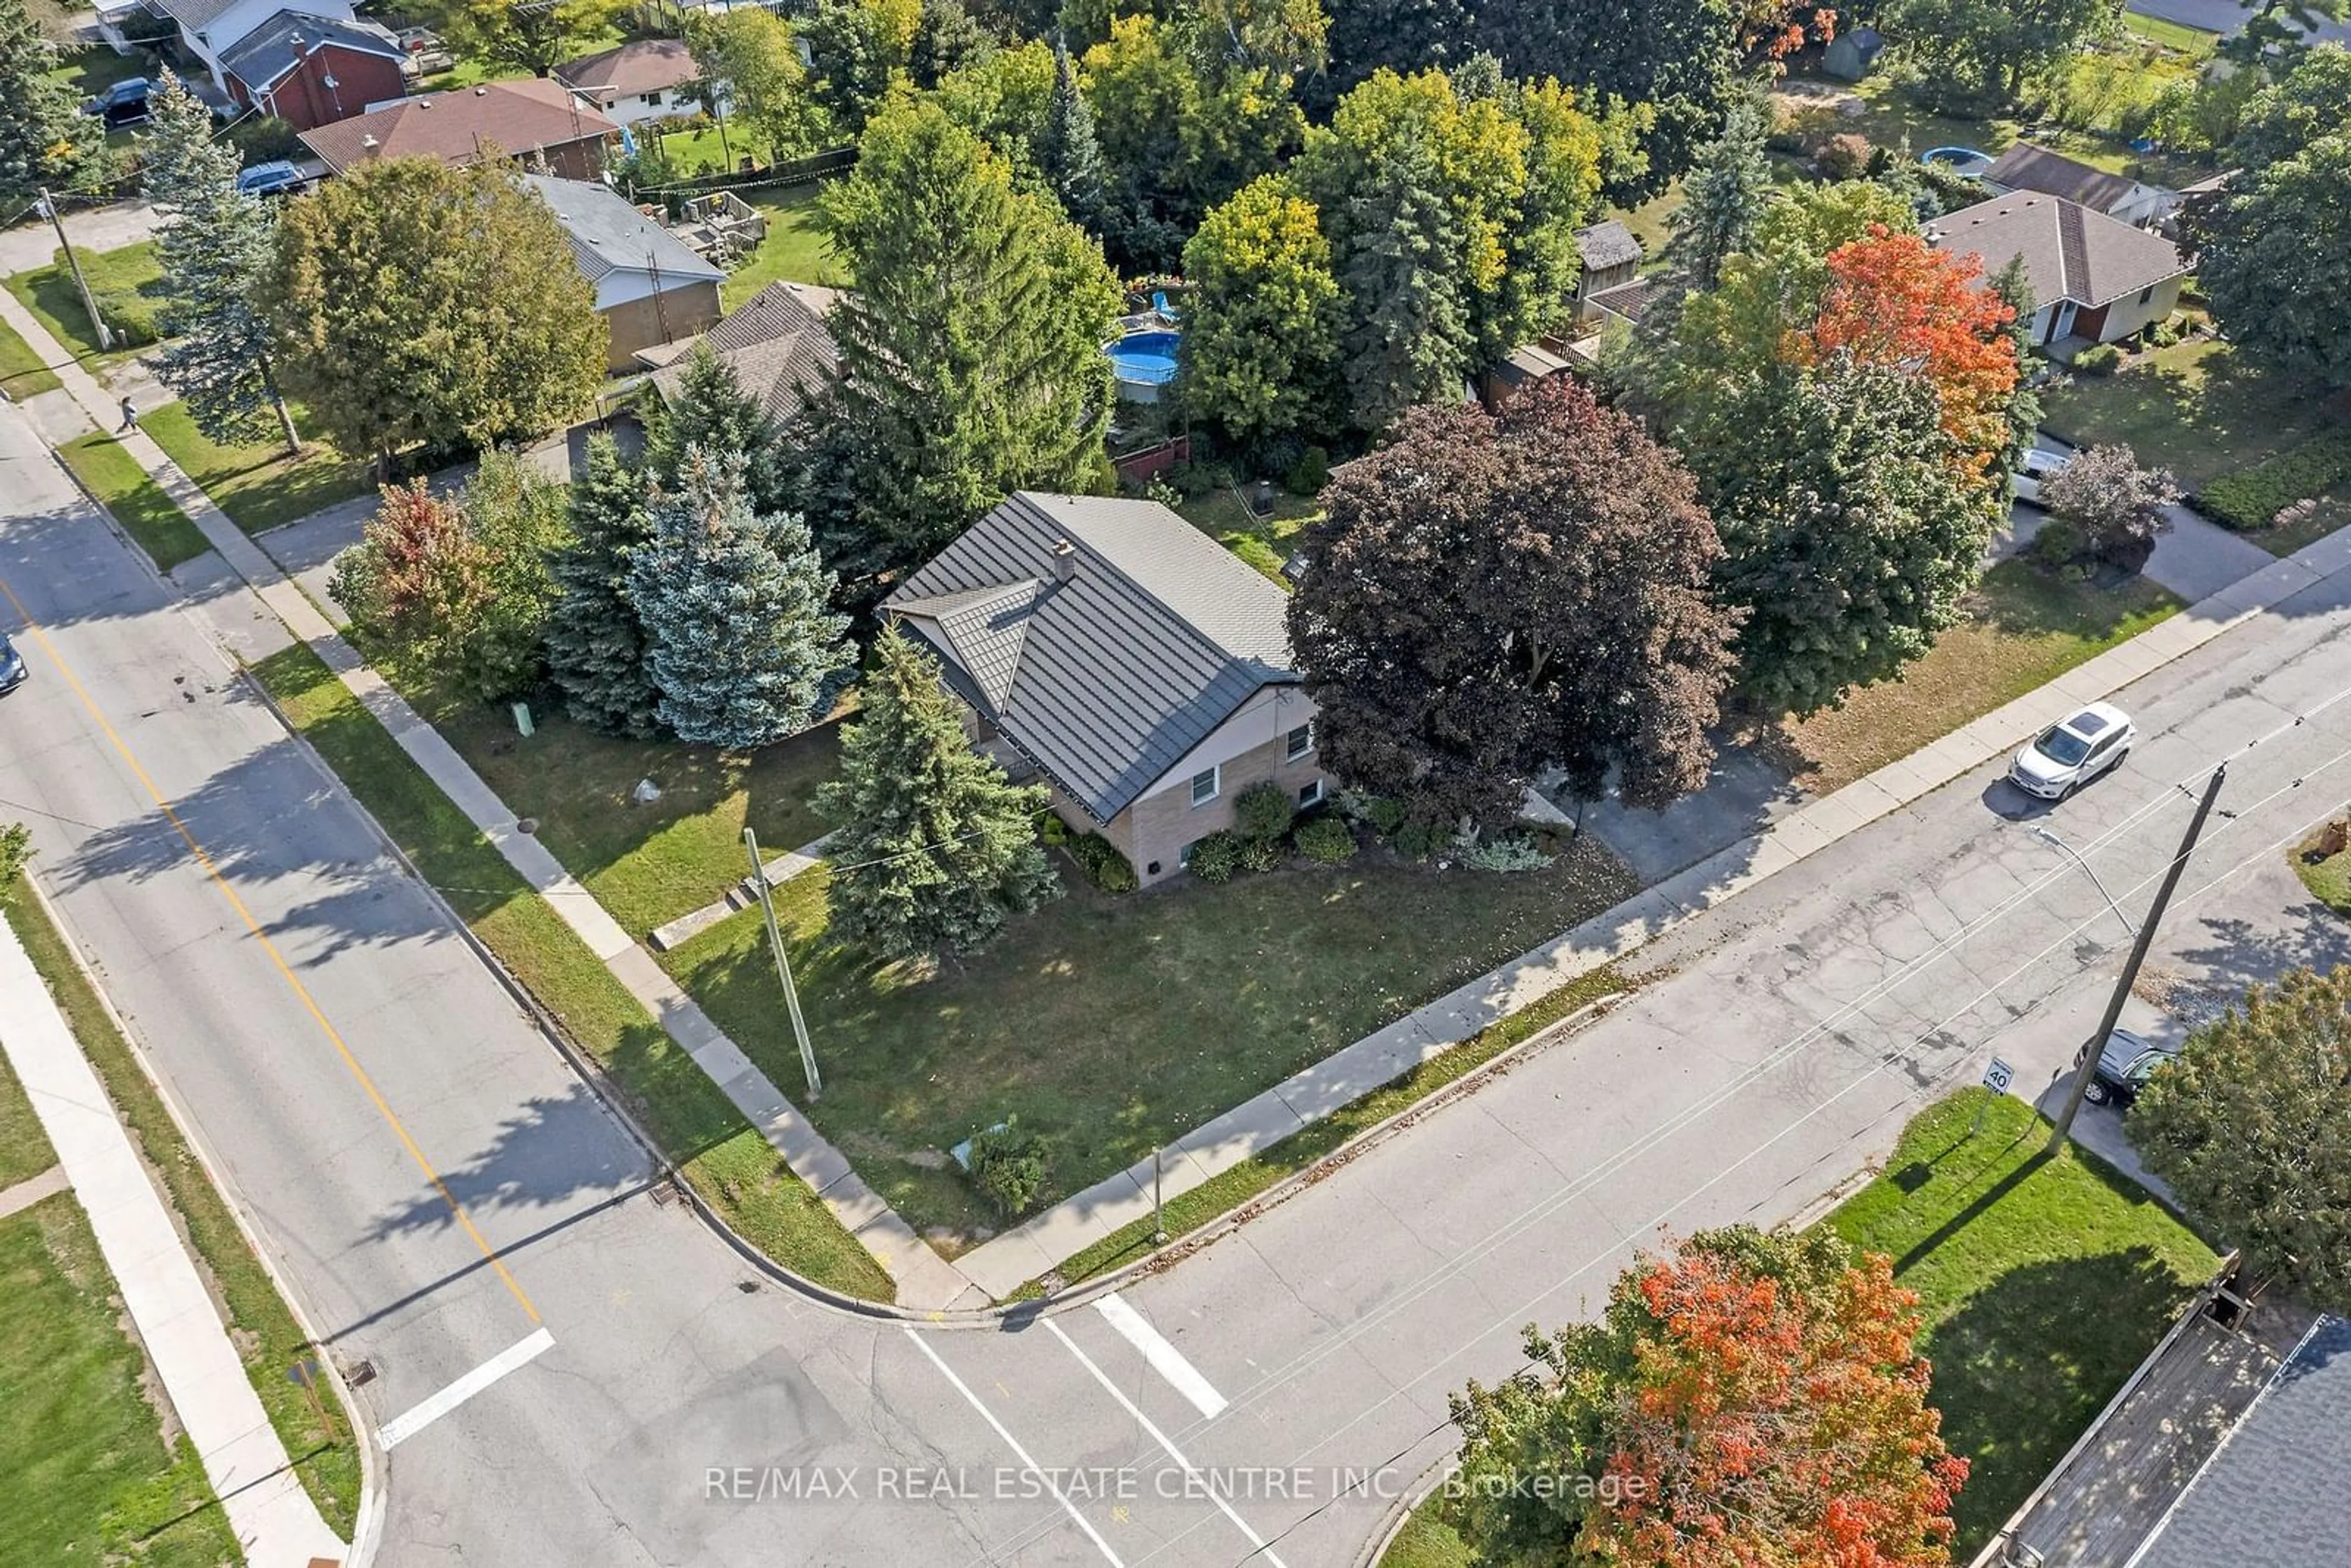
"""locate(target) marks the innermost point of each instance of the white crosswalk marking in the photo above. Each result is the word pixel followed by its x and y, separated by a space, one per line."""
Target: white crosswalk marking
pixel 1164 1357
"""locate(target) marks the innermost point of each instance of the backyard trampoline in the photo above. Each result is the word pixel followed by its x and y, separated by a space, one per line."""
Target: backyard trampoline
pixel 1144 363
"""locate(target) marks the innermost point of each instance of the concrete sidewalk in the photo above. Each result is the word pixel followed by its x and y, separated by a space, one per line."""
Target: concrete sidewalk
pixel 185 1341
pixel 923 1279
pixel 1010 1261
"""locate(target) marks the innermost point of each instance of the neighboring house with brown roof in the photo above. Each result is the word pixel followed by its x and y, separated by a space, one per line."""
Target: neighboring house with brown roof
pixel 2028 167
pixel 777 344
pixel 1135 664
pixel 2093 278
pixel 639 80
pixel 538 123
pixel 650 286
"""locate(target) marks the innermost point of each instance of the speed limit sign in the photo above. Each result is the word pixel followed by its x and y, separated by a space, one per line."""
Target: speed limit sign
pixel 1997 1076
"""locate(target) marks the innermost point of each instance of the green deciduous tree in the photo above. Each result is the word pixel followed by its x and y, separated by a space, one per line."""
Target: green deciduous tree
pixel 740 641
pixel 947 38
pixel 595 644
pixel 1145 92
pixel 749 60
pixel 2272 260
pixel 534 37
pixel 2251 1129
pixel 1746 1398
pixel 1989 48
pixel 414 302
pixel 1004 98
pixel 851 58
pixel 45 139
pixel 1725 196
pixel 970 355
pixel 1850 531
pixel 1261 324
pixel 216 248
pixel 1400 36
pixel 2311 100
pixel 1678 58
pixel 2279 29
pixel 932 847
pixel 1495 594
pixel 459 585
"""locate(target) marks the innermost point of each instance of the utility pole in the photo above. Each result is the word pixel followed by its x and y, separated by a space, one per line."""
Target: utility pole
pixel 783 966
pixel 2085 1064
pixel 89 305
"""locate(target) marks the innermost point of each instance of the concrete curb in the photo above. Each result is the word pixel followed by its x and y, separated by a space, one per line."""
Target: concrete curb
pixel 1400 1511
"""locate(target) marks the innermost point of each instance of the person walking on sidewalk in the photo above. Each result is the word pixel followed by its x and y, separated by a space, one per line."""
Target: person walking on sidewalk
pixel 130 416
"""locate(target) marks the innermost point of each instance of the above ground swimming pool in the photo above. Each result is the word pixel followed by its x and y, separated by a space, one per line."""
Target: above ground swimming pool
pixel 1961 160
pixel 1145 360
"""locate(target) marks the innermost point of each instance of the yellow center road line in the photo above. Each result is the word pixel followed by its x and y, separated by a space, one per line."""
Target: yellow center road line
pixel 285 970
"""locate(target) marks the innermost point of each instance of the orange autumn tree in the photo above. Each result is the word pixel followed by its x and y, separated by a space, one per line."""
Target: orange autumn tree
pixel 1893 299
pixel 1746 1400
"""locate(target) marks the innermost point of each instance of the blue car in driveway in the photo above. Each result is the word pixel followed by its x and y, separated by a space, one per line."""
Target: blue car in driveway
pixel 123 103
pixel 12 665
pixel 272 178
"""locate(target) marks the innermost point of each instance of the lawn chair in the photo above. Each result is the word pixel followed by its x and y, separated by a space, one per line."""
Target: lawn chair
pixel 1159 303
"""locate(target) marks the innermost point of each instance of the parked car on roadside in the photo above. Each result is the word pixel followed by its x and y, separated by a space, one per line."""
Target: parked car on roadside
pixel 12 665
pixel 2125 1064
pixel 2071 752
pixel 2035 466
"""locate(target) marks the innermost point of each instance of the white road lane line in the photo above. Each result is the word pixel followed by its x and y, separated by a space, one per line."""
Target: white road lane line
pixel 1164 1357
pixel 1201 1485
pixel 1013 1443
pixel 408 1423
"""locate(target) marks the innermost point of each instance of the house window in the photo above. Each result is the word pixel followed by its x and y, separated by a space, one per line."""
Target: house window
pixel 2147 294
pixel 1298 742
pixel 1204 786
pixel 1311 795
pixel 653 101
pixel 1184 857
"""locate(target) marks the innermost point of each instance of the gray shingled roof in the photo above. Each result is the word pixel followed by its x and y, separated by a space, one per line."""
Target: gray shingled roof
pixel 1109 679
pixel 194 15
pixel 609 236
pixel 2274 1493
pixel 1605 245
pixel 2069 251
pixel 2025 167
pixel 268 52
pixel 777 344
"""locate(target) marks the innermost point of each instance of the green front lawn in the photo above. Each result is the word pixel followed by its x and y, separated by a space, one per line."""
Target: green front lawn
pixel 2202 409
pixel 795 250
pixel 2024 628
pixel 1113 1024
pixel 259 487
pixel 267 1337
pixel 23 373
pixel 127 281
pixel 83 1463
pixel 2042 1284
pixel 646 864
pixel 138 503
pixel 728 1162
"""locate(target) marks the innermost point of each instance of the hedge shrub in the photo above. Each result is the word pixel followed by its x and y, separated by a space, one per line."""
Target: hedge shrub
pixel 1263 810
pixel 2098 359
pixel 1310 472
pixel 1844 157
pixel 1325 839
pixel 1104 866
pixel 1216 857
pixel 1259 855
pixel 1010 1163
pixel 2251 497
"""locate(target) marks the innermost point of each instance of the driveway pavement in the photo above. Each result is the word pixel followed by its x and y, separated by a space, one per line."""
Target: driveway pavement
pixel 35 243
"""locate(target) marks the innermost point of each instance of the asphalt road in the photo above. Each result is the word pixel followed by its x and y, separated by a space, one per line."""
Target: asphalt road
pixel 685 1414
pixel 2219 16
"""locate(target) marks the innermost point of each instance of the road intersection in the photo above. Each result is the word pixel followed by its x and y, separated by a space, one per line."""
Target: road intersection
pixel 563 1368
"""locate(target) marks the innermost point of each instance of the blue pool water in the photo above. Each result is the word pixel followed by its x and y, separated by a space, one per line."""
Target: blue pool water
pixel 1146 358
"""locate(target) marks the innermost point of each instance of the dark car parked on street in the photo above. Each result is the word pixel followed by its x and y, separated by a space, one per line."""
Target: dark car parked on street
pixel 2123 1068
pixel 12 665
pixel 124 103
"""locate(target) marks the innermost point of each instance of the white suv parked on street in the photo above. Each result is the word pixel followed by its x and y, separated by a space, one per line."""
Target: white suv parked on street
pixel 2069 753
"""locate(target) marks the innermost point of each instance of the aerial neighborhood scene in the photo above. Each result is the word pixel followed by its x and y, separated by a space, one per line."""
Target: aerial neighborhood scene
pixel 1211 782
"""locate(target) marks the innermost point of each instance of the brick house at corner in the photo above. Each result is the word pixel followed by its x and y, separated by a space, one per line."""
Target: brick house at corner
pixel 1127 660
pixel 650 288
pixel 539 123
pixel 311 70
